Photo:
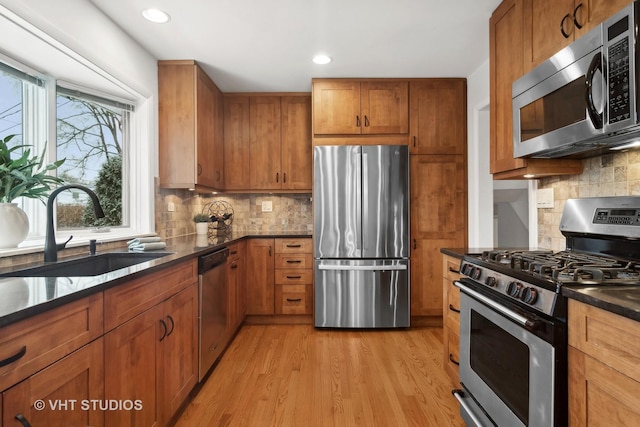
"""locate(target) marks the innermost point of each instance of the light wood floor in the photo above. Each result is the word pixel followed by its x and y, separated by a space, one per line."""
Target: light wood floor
pixel 295 375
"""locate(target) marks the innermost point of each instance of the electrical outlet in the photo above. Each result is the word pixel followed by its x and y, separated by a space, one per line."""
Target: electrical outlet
pixel 544 198
pixel 267 206
pixel 171 207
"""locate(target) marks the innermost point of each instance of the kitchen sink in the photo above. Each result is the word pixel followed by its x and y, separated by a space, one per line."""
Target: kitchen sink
pixel 93 265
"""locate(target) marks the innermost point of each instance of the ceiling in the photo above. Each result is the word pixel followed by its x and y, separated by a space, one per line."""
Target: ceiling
pixel 267 46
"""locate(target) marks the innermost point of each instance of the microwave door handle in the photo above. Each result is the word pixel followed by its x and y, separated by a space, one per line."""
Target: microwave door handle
pixel 596 64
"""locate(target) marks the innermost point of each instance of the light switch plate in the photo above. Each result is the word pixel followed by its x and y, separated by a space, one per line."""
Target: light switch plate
pixel 171 207
pixel 544 198
pixel 267 206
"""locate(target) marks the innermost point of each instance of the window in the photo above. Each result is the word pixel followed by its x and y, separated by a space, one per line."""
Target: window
pixel 92 135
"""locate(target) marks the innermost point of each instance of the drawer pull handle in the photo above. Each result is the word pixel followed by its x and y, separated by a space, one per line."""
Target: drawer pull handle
pixel 575 17
pixel 233 252
pixel 234 266
pixel 165 329
pixel 294 277
pixel 173 325
pixel 294 261
pixel 290 245
pixel 452 308
pixel 23 420
pixel 15 357
pixel 564 33
pixel 453 270
pixel 294 299
pixel 452 360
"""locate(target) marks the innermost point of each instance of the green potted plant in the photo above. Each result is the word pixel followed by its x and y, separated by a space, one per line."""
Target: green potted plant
pixel 21 175
pixel 202 223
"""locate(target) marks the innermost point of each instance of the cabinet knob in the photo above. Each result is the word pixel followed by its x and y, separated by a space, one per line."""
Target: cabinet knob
pixel 173 325
pixel 164 330
pixel 366 121
pixel 575 16
pixel 284 177
pixel 277 176
pixel 415 244
pixel 564 33
pixel 358 121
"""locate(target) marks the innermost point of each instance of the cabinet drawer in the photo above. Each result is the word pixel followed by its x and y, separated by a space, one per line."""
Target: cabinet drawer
pixel 451 354
pixel 451 268
pixel 294 299
pixel 605 336
pixel 297 246
pixel 294 261
pixel 234 253
pixel 47 337
pixel 293 277
pixel 451 309
pixel 130 299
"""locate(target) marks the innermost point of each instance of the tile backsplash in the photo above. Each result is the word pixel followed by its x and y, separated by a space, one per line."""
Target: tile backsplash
pixel 289 212
pixel 615 174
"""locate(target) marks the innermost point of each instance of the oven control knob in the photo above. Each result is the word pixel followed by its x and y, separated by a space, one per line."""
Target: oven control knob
pixel 514 289
pixel 466 270
pixel 491 281
pixel 476 272
pixel 529 296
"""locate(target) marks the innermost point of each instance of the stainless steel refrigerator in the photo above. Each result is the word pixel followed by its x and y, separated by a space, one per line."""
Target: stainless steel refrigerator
pixel 361 236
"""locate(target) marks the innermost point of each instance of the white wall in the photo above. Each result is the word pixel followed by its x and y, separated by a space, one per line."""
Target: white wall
pixel 480 183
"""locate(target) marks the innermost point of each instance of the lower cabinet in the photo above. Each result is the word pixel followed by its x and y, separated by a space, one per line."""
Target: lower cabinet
pixel 260 276
pixel 70 393
pixel 152 359
pixel 604 375
pixel 236 287
pixel 451 317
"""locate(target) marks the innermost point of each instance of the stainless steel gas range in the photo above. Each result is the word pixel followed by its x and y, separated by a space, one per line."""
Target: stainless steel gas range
pixel 513 334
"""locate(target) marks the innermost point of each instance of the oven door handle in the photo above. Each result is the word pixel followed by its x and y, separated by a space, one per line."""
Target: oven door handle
pixel 458 395
pixel 498 307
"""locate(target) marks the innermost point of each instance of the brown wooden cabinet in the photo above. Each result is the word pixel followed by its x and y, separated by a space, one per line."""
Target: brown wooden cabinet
pixel 260 276
pixel 604 377
pixel 438 116
pixel 354 107
pixel 506 50
pixel 190 127
pixel 451 317
pixel 236 287
pixel 550 25
pixel 66 388
pixel 267 142
pixel 294 276
pixel 438 220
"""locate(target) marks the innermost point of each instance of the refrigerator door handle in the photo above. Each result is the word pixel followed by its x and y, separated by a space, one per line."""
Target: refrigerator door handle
pixel 365 198
pixel 362 267
pixel 358 203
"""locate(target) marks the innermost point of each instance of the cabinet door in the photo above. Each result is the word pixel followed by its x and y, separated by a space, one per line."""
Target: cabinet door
pixel 264 143
pixel 438 219
pixel 590 13
pixel 296 143
pixel 438 116
pixel 63 388
pixel 179 355
pixel 236 286
pixel 384 107
pixel 260 276
pixel 205 130
pixel 542 29
pixel 505 51
pixel 336 107
pixel 236 142
pixel 132 368
pixel 218 138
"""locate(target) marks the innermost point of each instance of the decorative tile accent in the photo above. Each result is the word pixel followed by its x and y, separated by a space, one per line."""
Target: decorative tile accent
pixel 616 174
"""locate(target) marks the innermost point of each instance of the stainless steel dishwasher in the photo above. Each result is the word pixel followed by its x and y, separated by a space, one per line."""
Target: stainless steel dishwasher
pixel 212 302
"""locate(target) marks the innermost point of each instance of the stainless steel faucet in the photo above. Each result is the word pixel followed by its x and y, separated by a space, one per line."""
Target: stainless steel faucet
pixel 51 248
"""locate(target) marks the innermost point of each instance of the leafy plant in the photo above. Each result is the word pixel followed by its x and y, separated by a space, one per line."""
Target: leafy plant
pixel 24 176
pixel 201 218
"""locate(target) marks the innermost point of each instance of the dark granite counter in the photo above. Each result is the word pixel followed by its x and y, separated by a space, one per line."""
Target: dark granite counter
pixel 622 300
pixel 461 252
pixel 23 297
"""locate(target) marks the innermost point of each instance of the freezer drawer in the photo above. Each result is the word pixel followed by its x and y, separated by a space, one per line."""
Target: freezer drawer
pixel 361 293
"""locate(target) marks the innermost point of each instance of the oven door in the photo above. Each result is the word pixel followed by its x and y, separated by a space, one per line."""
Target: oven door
pixel 508 364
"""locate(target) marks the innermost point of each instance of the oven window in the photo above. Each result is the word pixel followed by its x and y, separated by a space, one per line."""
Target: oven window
pixel 560 108
pixel 502 362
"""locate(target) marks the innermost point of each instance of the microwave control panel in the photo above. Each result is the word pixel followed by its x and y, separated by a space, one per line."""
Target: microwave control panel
pixel 619 102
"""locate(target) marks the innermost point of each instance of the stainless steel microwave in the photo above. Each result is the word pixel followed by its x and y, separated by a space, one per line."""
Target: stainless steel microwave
pixel 584 99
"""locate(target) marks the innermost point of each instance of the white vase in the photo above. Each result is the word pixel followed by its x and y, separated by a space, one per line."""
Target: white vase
pixel 14 225
pixel 202 227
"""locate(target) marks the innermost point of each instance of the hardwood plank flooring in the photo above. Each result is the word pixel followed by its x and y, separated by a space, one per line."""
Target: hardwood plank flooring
pixel 296 375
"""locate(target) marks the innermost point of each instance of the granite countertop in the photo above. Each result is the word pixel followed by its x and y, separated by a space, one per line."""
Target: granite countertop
pixel 23 297
pixel 623 300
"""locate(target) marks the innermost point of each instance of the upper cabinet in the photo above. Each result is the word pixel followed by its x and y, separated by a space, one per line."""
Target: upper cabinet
pixel 267 142
pixel 360 107
pixel 506 65
pixel 190 127
pixel 438 116
pixel 550 25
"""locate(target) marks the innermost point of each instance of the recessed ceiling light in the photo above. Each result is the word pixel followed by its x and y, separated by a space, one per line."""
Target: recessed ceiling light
pixel 156 15
pixel 321 59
